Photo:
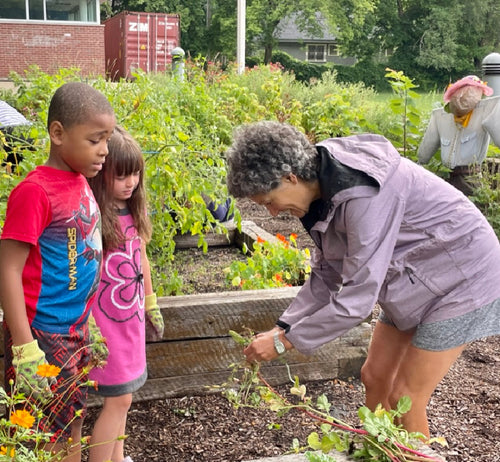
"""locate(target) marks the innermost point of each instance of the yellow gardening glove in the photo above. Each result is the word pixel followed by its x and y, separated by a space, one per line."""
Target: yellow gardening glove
pixel 26 359
pixel 97 344
pixel 154 319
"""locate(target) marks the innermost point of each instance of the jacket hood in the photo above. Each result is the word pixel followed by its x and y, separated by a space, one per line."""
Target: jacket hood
pixel 371 154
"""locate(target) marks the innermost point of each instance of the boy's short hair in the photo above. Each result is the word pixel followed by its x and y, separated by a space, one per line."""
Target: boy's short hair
pixel 74 102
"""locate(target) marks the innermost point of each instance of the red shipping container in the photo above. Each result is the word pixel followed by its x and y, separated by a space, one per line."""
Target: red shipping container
pixel 135 40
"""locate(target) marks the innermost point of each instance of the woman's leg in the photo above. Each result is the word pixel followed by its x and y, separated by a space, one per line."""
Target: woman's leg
pixel 108 428
pixel 385 354
pixel 419 374
pixel 394 368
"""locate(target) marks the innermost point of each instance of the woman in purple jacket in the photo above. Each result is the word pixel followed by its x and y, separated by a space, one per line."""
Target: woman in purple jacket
pixel 386 230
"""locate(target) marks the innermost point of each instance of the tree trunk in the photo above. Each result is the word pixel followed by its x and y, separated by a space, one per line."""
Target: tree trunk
pixel 268 53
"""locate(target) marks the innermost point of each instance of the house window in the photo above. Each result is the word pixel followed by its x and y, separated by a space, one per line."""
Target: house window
pixel 316 53
pixel 333 49
pixel 50 10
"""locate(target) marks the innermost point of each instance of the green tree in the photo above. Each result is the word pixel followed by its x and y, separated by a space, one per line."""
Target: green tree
pixel 431 39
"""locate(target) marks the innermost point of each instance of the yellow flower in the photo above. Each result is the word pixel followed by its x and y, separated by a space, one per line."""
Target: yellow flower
pixel 48 370
pixel 22 418
pixel 7 452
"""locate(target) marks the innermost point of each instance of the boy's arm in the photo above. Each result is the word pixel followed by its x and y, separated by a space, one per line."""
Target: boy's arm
pixel 13 256
pixel 26 354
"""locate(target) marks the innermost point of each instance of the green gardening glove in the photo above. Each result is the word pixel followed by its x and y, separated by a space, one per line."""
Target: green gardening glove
pixel 26 359
pixel 97 344
pixel 154 319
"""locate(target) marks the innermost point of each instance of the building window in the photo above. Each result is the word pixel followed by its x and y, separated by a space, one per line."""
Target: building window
pixel 316 53
pixel 50 10
pixel 333 49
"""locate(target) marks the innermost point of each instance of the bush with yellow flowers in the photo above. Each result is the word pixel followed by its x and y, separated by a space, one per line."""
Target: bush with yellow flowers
pixel 22 435
pixel 22 438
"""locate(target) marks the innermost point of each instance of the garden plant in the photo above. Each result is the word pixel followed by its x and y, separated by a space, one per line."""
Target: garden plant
pixel 271 264
pixel 22 438
pixel 377 436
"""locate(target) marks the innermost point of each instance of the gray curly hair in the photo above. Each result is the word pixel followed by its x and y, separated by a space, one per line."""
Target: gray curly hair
pixel 263 153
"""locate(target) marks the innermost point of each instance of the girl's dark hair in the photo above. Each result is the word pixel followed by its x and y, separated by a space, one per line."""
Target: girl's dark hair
pixel 124 158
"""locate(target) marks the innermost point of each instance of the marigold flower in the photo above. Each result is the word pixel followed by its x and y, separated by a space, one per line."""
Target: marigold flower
pixel 278 277
pixel 22 418
pixel 293 237
pixel 260 240
pixel 48 370
pixel 4 451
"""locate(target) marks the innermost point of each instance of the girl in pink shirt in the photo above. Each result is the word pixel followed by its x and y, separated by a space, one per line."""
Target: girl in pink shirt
pixel 125 309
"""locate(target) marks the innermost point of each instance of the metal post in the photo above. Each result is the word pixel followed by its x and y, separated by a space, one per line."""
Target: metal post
pixel 240 36
pixel 491 72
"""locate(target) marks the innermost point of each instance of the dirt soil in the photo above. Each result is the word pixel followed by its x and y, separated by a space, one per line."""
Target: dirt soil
pixel 465 409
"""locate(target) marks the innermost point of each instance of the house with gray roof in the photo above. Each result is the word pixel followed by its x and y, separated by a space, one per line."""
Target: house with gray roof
pixel 302 45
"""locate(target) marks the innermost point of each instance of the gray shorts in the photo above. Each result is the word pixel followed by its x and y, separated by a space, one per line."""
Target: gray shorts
pixel 451 333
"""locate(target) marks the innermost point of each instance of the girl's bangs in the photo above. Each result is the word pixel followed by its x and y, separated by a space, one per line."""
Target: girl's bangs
pixel 129 162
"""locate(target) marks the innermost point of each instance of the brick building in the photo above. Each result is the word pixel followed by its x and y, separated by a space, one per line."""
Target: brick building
pixel 51 34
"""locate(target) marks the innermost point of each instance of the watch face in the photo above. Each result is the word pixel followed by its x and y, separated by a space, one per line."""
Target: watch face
pixel 278 344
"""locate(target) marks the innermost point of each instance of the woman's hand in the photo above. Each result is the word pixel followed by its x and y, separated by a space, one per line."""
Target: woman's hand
pixel 262 347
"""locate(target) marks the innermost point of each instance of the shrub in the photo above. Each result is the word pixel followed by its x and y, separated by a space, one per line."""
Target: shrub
pixel 271 264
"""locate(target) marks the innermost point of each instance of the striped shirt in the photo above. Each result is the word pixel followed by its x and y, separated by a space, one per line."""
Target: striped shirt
pixel 9 117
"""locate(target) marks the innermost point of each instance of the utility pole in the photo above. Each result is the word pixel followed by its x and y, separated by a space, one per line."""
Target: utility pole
pixel 208 17
pixel 240 36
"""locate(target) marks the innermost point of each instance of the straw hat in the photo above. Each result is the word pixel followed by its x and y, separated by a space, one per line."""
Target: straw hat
pixel 470 80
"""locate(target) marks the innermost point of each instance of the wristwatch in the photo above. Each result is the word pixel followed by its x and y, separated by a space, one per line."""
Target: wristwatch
pixel 278 344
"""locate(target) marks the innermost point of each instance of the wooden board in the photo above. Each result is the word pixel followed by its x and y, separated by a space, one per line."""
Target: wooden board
pixel 235 237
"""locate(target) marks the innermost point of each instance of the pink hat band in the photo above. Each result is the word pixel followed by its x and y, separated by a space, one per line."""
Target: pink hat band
pixel 470 80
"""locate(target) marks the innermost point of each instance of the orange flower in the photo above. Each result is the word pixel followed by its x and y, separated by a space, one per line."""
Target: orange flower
pixel 22 418
pixel 293 237
pixel 48 370
pixel 4 451
pixel 278 277
pixel 260 240
pixel 281 237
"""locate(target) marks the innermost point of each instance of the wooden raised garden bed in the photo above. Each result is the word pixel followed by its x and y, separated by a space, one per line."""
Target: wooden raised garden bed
pixel 197 349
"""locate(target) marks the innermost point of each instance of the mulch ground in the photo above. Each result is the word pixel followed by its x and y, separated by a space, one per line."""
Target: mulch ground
pixel 465 409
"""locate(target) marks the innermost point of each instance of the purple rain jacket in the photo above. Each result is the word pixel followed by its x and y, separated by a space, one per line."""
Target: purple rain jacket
pixel 393 233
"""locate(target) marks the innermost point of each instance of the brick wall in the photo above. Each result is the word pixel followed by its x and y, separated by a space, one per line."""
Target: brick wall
pixel 51 46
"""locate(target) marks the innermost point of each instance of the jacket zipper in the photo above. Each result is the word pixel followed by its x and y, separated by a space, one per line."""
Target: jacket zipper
pixel 409 272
